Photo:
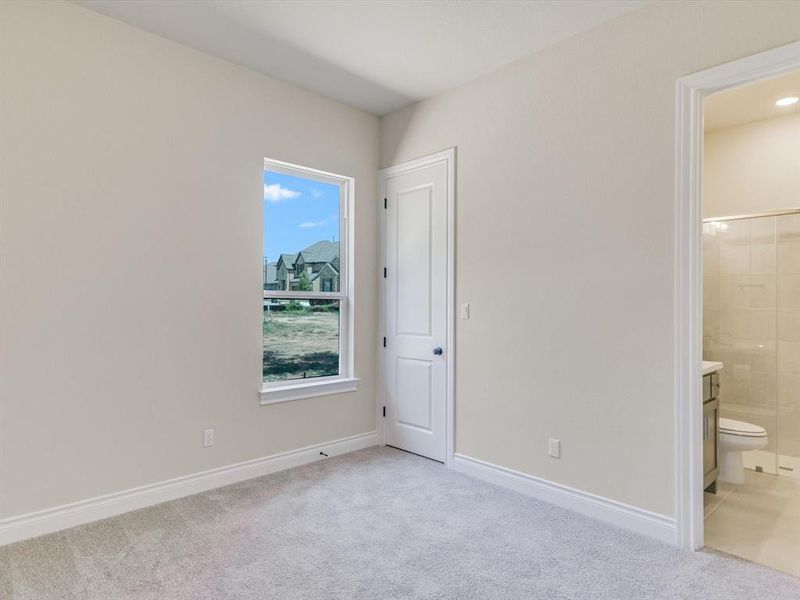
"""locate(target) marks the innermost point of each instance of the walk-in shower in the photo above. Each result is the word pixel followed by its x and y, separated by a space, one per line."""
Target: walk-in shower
pixel 751 323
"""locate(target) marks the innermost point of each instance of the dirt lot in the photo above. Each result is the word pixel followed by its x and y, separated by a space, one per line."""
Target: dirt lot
pixel 298 345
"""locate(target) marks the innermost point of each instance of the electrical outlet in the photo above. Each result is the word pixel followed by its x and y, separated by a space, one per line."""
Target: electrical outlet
pixel 464 312
pixel 554 448
pixel 208 438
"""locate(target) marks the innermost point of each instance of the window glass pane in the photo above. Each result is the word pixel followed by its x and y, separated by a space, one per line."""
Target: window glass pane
pixel 301 234
pixel 301 339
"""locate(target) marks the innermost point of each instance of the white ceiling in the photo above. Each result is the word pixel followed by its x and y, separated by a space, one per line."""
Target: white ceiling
pixel 753 102
pixel 375 55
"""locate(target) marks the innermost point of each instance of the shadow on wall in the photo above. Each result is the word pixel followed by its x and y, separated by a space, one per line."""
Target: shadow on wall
pixel 406 119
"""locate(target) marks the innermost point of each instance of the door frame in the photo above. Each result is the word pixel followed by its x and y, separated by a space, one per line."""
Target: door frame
pixel 688 258
pixel 448 157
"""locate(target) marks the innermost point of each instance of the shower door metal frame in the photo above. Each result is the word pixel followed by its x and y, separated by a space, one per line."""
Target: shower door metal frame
pixel 770 213
pixel 688 284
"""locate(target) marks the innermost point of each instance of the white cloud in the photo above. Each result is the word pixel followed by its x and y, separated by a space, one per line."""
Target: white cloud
pixel 309 224
pixel 316 193
pixel 276 193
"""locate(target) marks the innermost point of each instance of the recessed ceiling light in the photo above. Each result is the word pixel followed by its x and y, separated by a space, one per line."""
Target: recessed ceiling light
pixel 788 101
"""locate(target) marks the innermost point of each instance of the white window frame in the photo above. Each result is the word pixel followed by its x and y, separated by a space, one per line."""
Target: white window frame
pixel 294 389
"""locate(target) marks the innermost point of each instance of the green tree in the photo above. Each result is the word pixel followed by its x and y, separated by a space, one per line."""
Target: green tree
pixel 304 284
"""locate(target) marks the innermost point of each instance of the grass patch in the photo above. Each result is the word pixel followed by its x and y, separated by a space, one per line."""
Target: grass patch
pixel 301 342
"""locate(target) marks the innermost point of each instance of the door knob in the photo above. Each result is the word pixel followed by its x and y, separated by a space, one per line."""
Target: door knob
pixel 437 351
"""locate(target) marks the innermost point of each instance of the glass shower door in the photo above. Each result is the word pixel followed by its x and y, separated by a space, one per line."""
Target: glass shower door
pixel 740 324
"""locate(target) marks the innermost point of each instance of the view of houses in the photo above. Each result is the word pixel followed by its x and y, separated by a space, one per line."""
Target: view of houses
pixel 301 337
pixel 313 269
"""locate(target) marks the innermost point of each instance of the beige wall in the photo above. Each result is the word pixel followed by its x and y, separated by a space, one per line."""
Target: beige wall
pixel 131 256
pixel 752 168
pixel 565 216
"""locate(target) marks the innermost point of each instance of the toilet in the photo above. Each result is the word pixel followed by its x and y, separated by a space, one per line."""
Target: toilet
pixel 736 437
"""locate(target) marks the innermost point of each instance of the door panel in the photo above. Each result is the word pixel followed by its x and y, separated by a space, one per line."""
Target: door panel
pixel 416 310
pixel 413 260
pixel 414 401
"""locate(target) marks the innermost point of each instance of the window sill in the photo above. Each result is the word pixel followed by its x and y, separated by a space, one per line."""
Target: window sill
pixel 274 394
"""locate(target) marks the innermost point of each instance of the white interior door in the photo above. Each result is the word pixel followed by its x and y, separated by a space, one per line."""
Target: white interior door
pixel 416 309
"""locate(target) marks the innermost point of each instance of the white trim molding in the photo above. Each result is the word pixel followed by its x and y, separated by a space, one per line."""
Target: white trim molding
pixel 635 519
pixel 688 285
pixel 448 156
pixel 22 527
pixel 324 386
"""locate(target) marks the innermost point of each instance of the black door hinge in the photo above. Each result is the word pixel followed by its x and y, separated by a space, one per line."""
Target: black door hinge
pixel 384 412
pixel 384 272
pixel 384 342
pixel 385 203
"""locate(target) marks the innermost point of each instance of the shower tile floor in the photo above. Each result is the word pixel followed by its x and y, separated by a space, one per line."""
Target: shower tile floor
pixel 758 521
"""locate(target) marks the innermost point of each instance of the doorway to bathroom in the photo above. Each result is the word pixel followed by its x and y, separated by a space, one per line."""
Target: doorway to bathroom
pixel 738 298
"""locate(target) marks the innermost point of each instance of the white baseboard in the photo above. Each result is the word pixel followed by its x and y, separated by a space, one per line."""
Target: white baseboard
pixel 22 527
pixel 641 521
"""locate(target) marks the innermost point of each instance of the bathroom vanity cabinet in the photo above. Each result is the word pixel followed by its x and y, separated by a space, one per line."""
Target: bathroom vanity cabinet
pixel 710 431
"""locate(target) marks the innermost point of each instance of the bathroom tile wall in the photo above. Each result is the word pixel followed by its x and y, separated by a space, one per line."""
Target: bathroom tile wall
pixel 751 310
pixel 740 318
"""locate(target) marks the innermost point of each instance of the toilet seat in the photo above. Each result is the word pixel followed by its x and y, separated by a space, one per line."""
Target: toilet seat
pixel 740 428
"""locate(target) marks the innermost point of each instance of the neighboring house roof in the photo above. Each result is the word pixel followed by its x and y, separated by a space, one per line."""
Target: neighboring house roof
pixel 322 251
pixel 271 273
pixel 318 274
pixel 330 266
pixel 288 260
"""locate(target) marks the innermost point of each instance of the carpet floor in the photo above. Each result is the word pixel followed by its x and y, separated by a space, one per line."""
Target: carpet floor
pixel 375 524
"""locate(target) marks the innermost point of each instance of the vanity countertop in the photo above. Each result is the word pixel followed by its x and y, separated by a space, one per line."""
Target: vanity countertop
pixel 710 366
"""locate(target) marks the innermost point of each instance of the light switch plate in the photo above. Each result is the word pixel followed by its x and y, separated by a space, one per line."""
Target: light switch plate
pixel 554 448
pixel 464 311
pixel 208 438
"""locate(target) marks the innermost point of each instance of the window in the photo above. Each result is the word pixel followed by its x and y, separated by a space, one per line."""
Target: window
pixel 308 299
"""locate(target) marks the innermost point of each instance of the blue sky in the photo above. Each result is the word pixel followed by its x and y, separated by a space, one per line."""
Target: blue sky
pixel 297 213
